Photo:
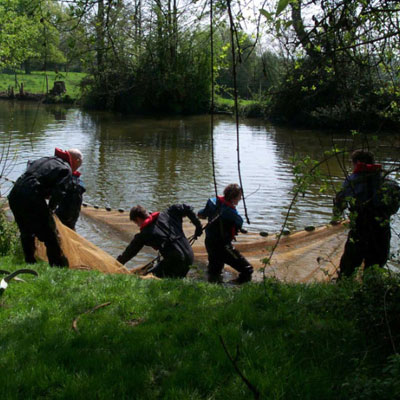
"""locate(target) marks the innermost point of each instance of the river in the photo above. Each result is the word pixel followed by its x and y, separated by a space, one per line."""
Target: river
pixel 157 161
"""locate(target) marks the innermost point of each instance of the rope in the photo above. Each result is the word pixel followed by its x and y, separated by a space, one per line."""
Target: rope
pixel 121 210
pixel 235 91
pixel 212 97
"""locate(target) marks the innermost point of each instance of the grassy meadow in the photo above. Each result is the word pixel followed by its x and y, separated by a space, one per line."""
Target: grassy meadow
pixel 36 81
pixel 183 339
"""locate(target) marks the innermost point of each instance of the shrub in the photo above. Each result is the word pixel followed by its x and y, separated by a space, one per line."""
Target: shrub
pixel 9 237
pixel 366 385
pixel 377 309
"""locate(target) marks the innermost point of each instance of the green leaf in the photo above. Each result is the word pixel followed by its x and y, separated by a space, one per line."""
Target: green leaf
pixel 266 14
pixel 281 6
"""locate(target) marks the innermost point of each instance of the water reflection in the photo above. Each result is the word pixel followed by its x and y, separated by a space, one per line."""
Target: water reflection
pixel 159 161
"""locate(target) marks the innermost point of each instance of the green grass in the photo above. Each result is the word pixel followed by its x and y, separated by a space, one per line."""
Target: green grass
pixel 36 82
pixel 230 103
pixel 162 339
pixel 247 108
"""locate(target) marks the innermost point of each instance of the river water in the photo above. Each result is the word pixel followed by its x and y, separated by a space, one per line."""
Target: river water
pixel 158 161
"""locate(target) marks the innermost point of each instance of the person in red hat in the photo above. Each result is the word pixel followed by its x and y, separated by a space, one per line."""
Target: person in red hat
pixel 36 195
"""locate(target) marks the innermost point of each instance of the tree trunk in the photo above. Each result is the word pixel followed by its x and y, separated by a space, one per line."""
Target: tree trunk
pixel 301 33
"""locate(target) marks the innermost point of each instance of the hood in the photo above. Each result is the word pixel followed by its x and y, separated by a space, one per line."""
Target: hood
pixel 363 167
pixel 149 220
pixel 64 155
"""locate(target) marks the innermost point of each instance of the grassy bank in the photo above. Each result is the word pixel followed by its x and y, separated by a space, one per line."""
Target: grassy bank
pixel 36 82
pixel 165 339
pixel 247 108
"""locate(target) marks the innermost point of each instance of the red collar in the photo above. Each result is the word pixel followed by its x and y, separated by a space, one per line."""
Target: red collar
pixel 363 167
pixel 225 202
pixel 77 174
pixel 64 155
pixel 150 219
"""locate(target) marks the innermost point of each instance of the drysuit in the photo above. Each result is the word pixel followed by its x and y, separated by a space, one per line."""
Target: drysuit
pixel 163 231
pixel 46 178
pixel 69 207
pixel 224 224
pixel 369 236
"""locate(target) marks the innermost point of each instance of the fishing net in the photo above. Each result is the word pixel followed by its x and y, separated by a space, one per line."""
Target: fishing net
pixel 81 253
pixel 302 256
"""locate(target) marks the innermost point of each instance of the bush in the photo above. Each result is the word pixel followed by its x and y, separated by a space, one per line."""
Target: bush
pixel 9 237
pixel 377 309
pixel 366 385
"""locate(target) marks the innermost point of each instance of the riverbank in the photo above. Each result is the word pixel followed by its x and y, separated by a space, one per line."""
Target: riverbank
pixel 34 86
pixel 182 339
pixel 247 108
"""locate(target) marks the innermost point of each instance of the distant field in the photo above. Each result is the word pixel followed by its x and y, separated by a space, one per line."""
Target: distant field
pixel 36 81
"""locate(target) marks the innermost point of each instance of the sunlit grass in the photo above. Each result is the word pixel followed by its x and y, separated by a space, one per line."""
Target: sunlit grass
pixel 162 339
pixel 36 81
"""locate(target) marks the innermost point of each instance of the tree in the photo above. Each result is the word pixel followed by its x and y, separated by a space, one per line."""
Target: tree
pixel 16 31
pixel 343 65
pixel 145 55
pixel 28 35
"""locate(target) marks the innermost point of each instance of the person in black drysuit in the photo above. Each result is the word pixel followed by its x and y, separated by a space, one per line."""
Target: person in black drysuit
pixel 163 231
pixel 70 205
pixel 46 178
pixel 224 222
pixel 369 236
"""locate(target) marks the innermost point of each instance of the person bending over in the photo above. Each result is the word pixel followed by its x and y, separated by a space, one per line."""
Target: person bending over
pixel 48 178
pixel 164 232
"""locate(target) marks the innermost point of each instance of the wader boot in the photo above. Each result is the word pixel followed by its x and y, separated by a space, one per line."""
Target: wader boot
pixel 28 246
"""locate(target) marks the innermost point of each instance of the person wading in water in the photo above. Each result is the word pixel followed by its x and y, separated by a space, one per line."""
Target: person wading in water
pixel 164 232
pixel 372 199
pixel 224 224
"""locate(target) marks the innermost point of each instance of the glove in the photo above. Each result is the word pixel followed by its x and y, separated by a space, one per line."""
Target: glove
pixel 198 232
pixel 119 259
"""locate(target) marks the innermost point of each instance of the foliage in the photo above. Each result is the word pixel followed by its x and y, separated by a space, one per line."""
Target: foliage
pixel 9 237
pixel 375 306
pixel 256 73
pixel 364 385
pixel 28 33
pixel 342 63
pixel 15 35
pixel 163 67
pixel 377 309
pixel 161 339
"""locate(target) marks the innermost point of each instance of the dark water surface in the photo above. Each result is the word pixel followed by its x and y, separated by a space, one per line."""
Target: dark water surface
pixel 157 161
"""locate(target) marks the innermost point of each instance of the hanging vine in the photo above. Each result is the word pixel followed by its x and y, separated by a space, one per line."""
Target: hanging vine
pixel 235 91
pixel 212 97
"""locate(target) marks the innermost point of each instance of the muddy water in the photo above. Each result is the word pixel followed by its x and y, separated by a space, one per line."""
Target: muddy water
pixel 157 161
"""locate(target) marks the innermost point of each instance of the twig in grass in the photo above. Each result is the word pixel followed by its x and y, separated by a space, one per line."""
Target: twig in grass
pixel 75 321
pixel 253 389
